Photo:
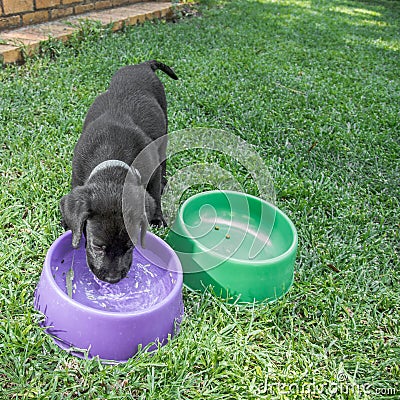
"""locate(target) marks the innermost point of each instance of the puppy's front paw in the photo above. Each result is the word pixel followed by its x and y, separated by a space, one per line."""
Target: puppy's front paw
pixel 158 222
pixel 64 224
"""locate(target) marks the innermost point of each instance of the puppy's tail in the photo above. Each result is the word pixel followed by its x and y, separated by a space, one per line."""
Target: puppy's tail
pixel 155 65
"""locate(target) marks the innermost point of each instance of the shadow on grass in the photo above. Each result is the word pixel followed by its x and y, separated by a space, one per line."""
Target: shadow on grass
pixel 348 23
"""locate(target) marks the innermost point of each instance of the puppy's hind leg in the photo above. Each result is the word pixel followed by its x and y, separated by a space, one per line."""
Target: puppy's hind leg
pixel 164 179
pixel 163 157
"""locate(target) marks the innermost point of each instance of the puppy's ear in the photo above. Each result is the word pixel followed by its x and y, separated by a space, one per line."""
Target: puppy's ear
pixel 75 209
pixel 143 230
pixel 135 219
pixel 134 204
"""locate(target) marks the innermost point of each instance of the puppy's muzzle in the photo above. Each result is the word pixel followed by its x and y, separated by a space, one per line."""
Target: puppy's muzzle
pixel 110 276
pixel 110 269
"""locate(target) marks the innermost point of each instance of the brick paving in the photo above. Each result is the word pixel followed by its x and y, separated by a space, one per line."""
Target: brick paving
pixel 17 42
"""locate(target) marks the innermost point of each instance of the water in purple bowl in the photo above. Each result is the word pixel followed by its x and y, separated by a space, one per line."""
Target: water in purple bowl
pixel 148 282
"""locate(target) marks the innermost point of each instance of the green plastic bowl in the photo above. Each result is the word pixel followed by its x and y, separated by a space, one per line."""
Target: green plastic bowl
pixel 241 245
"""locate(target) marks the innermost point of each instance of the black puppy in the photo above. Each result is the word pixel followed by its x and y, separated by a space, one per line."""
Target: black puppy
pixel 118 170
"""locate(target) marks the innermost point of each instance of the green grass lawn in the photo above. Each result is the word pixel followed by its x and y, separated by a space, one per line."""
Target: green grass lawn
pixel 315 86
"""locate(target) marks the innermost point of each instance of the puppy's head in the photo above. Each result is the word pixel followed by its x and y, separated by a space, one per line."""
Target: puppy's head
pixel 97 211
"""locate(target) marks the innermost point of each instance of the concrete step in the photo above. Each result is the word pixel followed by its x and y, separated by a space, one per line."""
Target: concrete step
pixel 14 44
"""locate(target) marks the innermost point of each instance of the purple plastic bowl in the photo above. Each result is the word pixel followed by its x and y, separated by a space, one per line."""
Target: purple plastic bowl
pixel 86 331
